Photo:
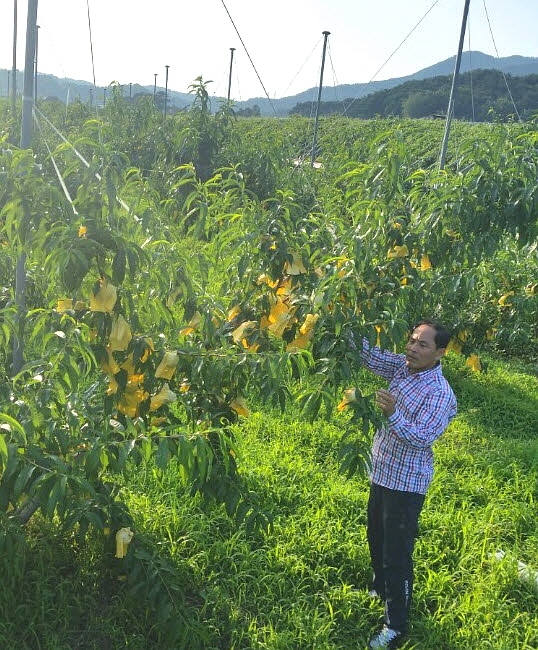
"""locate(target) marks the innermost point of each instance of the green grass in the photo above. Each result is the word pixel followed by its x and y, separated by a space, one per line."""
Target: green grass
pixel 301 584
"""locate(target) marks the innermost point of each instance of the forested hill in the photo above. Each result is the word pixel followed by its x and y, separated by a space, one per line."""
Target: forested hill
pixel 480 96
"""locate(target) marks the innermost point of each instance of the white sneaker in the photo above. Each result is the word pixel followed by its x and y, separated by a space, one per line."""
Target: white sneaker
pixel 386 638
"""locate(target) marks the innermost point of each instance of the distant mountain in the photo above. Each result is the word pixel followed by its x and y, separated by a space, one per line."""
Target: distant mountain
pixel 68 89
pixel 480 96
pixel 517 66
pixel 514 65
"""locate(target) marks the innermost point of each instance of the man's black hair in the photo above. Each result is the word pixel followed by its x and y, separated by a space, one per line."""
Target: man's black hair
pixel 442 335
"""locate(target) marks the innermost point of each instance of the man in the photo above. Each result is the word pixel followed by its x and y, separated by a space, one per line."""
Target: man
pixel 419 404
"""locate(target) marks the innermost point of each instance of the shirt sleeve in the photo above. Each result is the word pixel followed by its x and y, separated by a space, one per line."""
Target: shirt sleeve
pixel 428 422
pixel 382 362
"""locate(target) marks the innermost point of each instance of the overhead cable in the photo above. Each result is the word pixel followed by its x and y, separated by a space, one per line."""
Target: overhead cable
pixel 91 40
pixel 56 168
pixel 394 52
pixel 81 157
pixel 497 53
pixel 249 58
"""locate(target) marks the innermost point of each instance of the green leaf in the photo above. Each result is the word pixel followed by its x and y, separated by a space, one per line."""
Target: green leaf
pixel 15 428
pixel 56 497
pixel 118 267
pixel 21 482
pixel 3 453
pixel 163 454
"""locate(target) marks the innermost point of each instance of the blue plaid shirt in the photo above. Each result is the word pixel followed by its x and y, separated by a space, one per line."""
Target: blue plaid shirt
pixel 402 455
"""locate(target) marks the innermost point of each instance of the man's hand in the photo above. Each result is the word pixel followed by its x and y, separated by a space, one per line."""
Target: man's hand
pixel 386 401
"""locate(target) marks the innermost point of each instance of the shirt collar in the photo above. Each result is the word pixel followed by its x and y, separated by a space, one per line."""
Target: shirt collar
pixel 424 374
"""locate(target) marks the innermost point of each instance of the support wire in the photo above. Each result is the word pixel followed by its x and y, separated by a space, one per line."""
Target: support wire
pixel 249 58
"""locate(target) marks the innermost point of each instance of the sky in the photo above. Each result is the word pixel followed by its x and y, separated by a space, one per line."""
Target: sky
pixel 278 44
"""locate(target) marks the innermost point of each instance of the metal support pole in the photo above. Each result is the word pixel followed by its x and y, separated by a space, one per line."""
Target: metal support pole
pixel 313 156
pixel 154 87
pixel 232 50
pixel 26 141
pixel 14 69
pixel 29 71
pixel 35 71
pixel 166 91
pixel 450 109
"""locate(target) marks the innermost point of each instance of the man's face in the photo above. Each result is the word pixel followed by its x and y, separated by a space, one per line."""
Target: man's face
pixel 420 351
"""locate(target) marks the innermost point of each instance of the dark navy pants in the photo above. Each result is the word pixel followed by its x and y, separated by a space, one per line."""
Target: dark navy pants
pixel 392 529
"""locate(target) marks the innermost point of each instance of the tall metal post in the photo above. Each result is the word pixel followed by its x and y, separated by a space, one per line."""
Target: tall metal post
pixel 166 91
pixel 14 68
pixel 313 156
pixel 29 71
pixel 232 50
pixel 154 87
pixel 35 71
pixel 450 109
pixel 26 141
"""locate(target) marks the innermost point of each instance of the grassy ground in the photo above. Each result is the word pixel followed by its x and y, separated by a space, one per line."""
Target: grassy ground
pixel 301 584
